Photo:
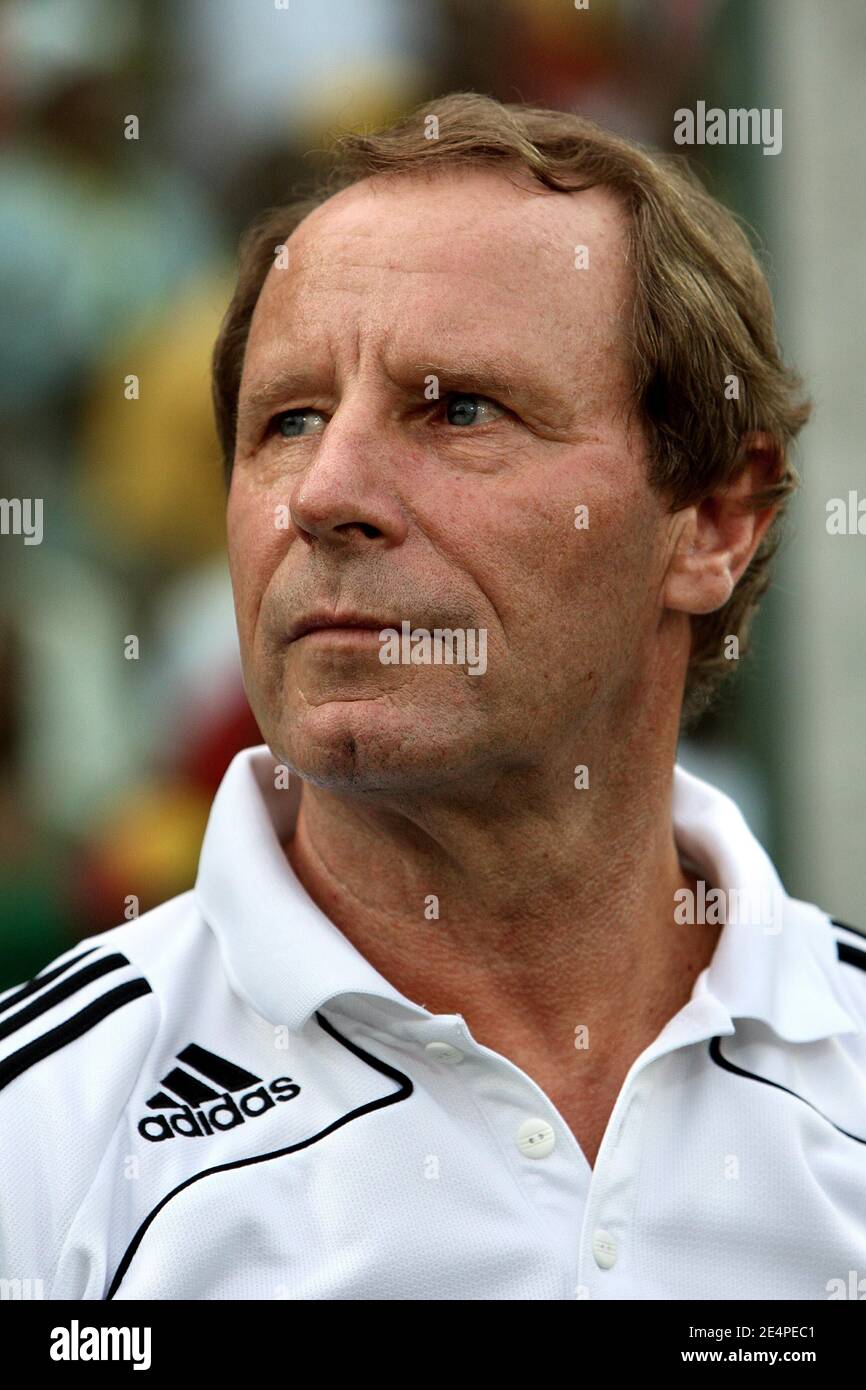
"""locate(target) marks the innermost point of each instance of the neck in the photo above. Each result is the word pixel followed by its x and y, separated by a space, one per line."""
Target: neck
pixel 541 909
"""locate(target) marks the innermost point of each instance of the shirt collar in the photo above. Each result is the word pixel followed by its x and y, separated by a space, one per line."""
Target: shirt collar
pixel 287 959
pixel 283 955
pixel 775 959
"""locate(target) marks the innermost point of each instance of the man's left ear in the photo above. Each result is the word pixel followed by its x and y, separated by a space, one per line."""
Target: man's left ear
pixel 717 537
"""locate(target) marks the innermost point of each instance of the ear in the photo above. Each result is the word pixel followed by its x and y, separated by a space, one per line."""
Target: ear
pixel 716 538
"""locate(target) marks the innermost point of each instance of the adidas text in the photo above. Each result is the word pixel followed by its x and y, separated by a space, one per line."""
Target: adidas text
pixel 227 1113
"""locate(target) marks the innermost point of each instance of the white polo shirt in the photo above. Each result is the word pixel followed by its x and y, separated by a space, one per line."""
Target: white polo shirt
pixel 224 1100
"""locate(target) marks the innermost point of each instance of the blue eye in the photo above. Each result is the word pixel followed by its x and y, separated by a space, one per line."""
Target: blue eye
pixel 291 422
pixel 465 409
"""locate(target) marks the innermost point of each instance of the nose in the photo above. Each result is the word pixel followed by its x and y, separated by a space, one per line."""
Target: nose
pixel 347 496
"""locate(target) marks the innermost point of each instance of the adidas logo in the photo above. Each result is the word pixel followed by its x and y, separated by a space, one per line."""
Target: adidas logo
pixel 194 1115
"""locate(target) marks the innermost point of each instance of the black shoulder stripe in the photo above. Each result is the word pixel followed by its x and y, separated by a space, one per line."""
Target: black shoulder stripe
pixel 858 931
pixel 44 978
pixel 71 985
pixel 850 954
pixel 73 1028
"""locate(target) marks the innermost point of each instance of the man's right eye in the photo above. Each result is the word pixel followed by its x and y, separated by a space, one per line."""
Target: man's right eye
pixel 290 424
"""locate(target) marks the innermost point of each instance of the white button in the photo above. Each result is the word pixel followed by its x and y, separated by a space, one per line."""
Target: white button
pixel 535 1138
pixel 604 1249
pixel 444 1052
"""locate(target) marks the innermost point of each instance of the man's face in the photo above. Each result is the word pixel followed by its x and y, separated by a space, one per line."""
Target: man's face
pixel 355 493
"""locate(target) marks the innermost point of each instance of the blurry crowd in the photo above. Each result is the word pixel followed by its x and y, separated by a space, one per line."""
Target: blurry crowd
pixel 116 260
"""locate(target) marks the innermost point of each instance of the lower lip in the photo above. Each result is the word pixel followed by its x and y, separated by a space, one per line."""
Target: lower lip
pixel 341 635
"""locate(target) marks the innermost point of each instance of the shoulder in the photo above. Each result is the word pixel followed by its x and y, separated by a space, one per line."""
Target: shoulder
pixel 73 1042
pixel 848 936
pixel 848 956
pixel 109 988
pixel 850 944
pixel 98 1006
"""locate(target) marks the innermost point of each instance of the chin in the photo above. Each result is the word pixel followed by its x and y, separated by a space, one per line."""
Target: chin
pixel 345 744
pixel 363 746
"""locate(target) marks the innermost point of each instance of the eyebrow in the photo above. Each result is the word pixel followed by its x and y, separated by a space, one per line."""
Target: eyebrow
pixel 518 381
pixel 268 389
pixel 470 374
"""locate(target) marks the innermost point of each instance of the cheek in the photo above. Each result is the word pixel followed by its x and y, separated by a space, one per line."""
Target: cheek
pixel 580 575
pixel 257 541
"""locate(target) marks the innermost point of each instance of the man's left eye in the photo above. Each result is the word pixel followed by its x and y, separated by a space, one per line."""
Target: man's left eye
pixel 467 409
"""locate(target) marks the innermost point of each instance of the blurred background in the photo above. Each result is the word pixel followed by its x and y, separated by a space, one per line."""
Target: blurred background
pixel 117 258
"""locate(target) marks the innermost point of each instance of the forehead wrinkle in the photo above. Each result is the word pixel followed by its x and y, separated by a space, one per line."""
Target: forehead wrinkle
pixel 322 274
pixel 492 248
pixel 523 227
pixel 479 250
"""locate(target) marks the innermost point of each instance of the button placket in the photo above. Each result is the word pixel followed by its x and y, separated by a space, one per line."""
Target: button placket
pixel 530 1137
pixel 597 1241
pixel 696 1022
